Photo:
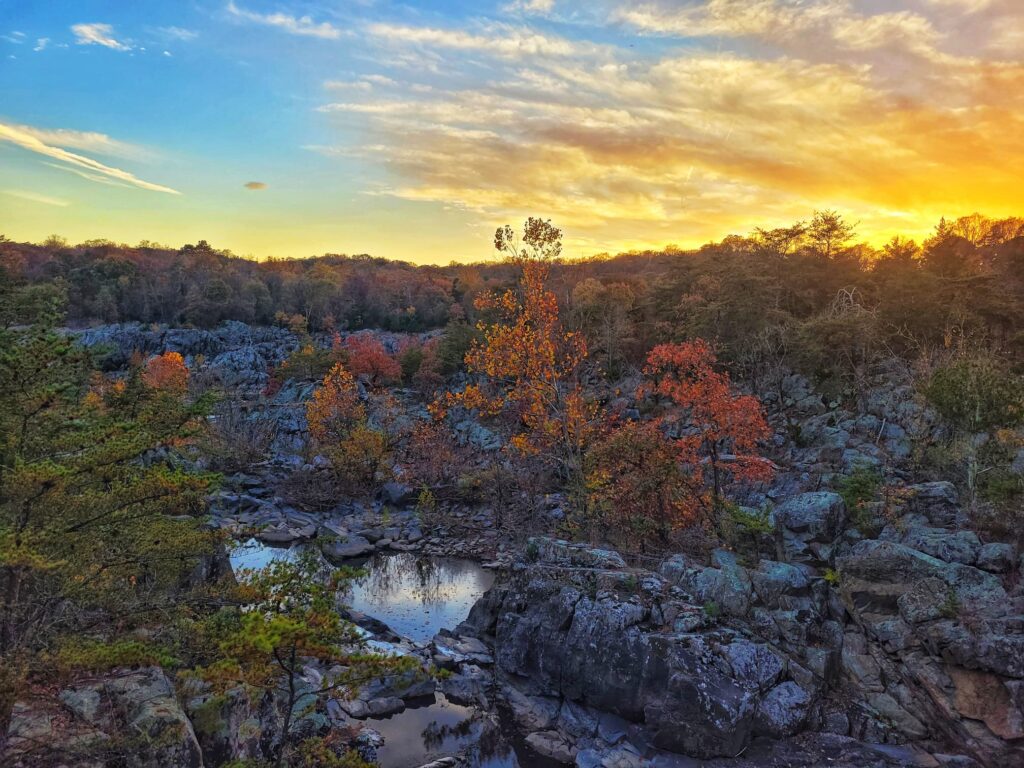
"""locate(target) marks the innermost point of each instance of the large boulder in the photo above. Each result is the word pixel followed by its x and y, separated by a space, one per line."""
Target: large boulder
pixel 875 574
pixel 725 586
pixel 559 552
pixel 951 546
pixel 346 548
pixel 599 652
pixel 783 711
pixel 147 701
pixel 815 516
pixel 131 713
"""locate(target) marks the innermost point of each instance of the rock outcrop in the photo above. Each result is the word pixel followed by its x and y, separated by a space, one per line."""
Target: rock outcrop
pixel 878 642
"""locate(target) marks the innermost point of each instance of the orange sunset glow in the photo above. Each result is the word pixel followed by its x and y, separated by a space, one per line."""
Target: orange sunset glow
pixel 330 128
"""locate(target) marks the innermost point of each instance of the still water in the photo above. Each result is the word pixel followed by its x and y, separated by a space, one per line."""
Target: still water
pixel 414 595
pixel 417 596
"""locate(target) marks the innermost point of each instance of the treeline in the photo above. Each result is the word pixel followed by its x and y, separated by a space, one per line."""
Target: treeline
pixel 198 285
pixel 809 294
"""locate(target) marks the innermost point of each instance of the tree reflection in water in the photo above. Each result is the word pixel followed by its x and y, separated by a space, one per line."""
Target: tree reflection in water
pixel 417 596
pixel 425 732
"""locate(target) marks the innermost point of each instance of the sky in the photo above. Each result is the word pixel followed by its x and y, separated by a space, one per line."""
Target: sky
pixel 412 130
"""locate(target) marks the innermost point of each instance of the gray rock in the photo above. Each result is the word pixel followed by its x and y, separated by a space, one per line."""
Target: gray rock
pixel 928 599
pixel 84 703
pixel 755 665
pixel 551 744
pixel 891 711
pixel 398 493
pixel 147 701
pixel 874 574
pixel 728 586
pixel 996 557
pixel 783 710
pixel 772 580
pixel 387 705
pixel 951 546
pixel 597 653
pixel 468 687
pixel 343 549
pixel 816 516
pixel 559 552
pixel 938 501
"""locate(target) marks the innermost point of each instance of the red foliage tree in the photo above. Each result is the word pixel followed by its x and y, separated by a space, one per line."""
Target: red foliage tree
pixel 367 357
pixel 721 428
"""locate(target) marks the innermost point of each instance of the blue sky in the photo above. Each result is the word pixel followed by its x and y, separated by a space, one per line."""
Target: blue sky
pixel 411 130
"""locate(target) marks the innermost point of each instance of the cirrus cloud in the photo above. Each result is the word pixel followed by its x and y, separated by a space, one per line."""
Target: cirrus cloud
pixel 30 140
pixel 303 25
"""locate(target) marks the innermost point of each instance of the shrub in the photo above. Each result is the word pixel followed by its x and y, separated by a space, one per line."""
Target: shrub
pixel 977 394
pixel 237 437
pixel 636 488
pixel 859 489
pixel 166 372
pixel 739 524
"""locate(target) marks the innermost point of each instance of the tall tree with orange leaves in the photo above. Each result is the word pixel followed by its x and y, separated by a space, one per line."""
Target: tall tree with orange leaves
pixel 528 363
pixel 721 428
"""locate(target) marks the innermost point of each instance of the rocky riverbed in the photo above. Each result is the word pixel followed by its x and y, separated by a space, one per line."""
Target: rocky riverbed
pixel 893 639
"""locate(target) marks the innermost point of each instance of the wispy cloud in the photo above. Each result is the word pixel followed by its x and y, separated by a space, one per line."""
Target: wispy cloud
pixel 302 25
pixel 26 140
pixel 501 40
pixel 255 185
pixel 41 44
pixel 530 6
pixel 35 197
pixel 179 33
pixel 98 34
pixel 90 141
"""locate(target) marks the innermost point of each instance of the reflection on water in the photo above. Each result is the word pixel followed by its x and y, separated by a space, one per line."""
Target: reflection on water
pixel 255 554
pixel 417 596
pixel 437 727
pixel 413 594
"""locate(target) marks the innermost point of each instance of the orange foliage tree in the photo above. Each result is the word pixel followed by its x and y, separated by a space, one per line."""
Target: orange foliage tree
pixel 359 455
pixel 166 372
pixel 334 409
pixel 721 428
pixel 528 363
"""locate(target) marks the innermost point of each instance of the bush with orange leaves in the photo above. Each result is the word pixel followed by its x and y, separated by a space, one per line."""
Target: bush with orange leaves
pixel 166 372
pixel 334 409
pixel 528 363
pixel 358 454
pixel 722 429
